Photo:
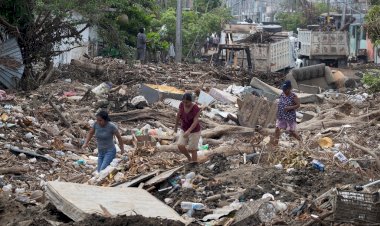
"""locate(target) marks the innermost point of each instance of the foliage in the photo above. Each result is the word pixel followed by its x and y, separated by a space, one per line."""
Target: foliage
pixel 202 5
pixel 372 80
pixel 291 21
pixel 156 42
pixel 198 5
pixel 372 24
pixel 374 2
pixel 303 15
pixel 196 26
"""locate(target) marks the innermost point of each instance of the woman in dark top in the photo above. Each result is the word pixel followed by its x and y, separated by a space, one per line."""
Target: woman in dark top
pixel 189 137
pixel 104 131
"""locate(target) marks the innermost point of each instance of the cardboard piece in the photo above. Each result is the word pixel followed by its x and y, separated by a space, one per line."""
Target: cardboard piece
pixel 79 201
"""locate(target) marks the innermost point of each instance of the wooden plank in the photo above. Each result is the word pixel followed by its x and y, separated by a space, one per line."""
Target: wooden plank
pixel 163 176
pixel 15 150
pixel 138 180
pixel 79 201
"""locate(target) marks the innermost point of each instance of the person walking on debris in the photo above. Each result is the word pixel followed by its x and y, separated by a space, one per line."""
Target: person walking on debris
pixel 141 45
pixel 188 115
pixel 286 114
pixel 104 130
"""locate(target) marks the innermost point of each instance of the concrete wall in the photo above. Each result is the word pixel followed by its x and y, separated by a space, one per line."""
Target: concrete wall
pixel 88 45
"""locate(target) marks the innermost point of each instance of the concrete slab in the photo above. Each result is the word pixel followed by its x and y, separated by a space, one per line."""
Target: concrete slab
pixel 79 201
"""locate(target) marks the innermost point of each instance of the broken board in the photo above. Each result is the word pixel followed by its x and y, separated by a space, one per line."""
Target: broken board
pixel 138 180
pixel 257 111
pixel 161 177
pixel 79 201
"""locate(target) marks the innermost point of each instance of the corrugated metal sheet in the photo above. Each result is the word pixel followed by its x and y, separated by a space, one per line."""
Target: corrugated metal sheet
pixel 11 63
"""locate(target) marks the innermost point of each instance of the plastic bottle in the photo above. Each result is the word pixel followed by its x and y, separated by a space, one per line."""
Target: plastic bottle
pixel 81 162
pixel 192 205
pixel 200 143
pixel 59 153
pixel 318 165
pixel 190 175
pixel 190 213
pixel 7 188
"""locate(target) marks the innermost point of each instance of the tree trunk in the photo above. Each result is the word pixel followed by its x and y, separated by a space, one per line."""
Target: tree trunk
pixel 89 67
pixel 223 130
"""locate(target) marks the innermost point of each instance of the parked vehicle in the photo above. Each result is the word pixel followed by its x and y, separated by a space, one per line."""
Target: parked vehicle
pixel 330 47
pixel 273 56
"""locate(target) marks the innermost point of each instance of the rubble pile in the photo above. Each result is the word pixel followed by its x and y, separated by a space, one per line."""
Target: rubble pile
pixel 241 179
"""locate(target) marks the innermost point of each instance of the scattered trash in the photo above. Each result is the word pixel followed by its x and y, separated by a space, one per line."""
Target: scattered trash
pixel 325 142
pixel 341 157
pixel 102 89
pixel 318 165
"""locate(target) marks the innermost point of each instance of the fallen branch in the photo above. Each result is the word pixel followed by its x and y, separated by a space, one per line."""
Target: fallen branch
pixel 90 67
pixel 319 219
pixel 63 119
pixel 13 170
pixel 366 150
pixel 49 72
pixel 143 114
pixel 222 130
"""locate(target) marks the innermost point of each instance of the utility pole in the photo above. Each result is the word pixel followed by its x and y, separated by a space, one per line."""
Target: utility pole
pixel 178 32
pixel 343 22
pixel 328 11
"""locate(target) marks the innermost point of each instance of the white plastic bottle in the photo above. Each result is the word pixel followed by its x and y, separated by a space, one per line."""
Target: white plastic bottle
pixel 192 205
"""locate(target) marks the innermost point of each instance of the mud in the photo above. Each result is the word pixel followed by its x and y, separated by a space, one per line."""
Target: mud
pixel 125 221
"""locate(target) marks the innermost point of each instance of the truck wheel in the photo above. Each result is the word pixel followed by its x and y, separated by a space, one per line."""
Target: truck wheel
pixel 342 63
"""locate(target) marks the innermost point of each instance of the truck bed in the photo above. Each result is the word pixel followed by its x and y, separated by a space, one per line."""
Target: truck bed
pixel 271 57
pixel 323 45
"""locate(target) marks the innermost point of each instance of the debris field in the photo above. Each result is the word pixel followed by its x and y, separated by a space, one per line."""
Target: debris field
pixel 241 179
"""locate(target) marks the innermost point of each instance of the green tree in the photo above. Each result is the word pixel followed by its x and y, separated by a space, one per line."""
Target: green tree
pixel 292 21
pixel 40 25
pixel 196 26
pixel 373 24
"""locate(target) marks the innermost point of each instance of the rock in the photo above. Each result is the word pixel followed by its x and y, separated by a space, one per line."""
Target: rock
pixel 22 156
pixel 139 102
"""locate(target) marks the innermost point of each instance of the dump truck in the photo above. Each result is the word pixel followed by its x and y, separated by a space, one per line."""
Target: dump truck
pixel 268 52
pixel 273 56
pixel 329 47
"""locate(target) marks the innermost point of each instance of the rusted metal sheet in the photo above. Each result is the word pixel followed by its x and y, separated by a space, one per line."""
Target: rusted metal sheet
pixel 11 63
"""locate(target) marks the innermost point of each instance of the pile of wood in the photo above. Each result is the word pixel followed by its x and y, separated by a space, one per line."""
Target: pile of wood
pixel 258 37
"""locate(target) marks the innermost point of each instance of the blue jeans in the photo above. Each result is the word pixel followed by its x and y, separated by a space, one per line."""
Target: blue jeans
pixel 105 158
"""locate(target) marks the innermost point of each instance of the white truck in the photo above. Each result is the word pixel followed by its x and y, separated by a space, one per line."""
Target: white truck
pixel 274 56
pixel 329 47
